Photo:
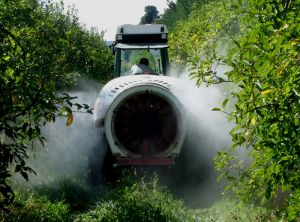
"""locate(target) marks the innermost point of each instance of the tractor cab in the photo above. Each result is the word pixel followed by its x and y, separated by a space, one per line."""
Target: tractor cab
pixel 136 42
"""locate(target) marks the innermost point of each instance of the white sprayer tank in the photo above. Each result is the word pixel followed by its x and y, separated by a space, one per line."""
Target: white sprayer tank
pixel 141 117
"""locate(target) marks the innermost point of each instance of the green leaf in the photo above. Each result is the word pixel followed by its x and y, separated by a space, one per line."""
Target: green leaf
pixel 224 103
pixel 267 92
pixel 6 58
pixel 216 109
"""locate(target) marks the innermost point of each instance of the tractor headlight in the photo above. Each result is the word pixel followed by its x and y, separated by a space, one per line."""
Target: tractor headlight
pixel 119 37
pixel 164 36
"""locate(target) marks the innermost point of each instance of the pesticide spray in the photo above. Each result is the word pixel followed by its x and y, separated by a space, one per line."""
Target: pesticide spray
pixel 68 151
pixel 207 133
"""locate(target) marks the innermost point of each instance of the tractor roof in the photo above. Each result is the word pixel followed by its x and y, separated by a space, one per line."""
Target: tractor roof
pixel 150 33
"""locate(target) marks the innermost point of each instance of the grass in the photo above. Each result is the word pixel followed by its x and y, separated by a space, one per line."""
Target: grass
pixel 75 193
pixel 32 208
pixel 136 200
pixel 129 199
pixel 231 210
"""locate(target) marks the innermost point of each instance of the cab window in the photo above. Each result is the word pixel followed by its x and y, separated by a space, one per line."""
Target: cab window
pixel 130 57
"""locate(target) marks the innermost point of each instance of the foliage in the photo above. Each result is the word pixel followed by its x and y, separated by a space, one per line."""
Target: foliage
pixel 41 48
pixel 76 194
pixel 151 13
pixel 197 40
pixel 127 200
pixel 266 66
pixel 88 55
pixel 232 210
pixel 34 208
pixel 259 42
pixel 137 200
pixel 294 205
pixel 179 10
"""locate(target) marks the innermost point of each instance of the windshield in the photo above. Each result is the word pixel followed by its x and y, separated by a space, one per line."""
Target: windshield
pixel 131 57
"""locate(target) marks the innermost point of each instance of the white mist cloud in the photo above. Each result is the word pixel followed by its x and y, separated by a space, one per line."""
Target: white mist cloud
pixel 208 133
pixel 67 149
pixel 199 102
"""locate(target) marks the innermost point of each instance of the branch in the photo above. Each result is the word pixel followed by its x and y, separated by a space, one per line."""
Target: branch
pixel 264 106
pixel 33 103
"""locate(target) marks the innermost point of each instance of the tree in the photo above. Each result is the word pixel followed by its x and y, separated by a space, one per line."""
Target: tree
pixel 266 67
pixel 179 11
pixel 40 50
pixel 151 14
pixel 202 35
pixel 259 41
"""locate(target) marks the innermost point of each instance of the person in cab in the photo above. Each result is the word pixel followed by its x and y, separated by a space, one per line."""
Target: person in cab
pixel 142 68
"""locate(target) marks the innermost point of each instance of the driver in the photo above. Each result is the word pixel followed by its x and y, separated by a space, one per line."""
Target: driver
pixel 142 67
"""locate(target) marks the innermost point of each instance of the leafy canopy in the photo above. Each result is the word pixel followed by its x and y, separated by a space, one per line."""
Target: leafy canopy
pixel 179 10
pixel 41 49
pixel 151 13
pixel 259 41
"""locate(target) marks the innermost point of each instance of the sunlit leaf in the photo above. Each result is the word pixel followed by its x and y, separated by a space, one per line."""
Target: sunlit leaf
pixel 224 103
pixel 253 121
pixel 69 119
pixel 216 109
pixel 266 92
